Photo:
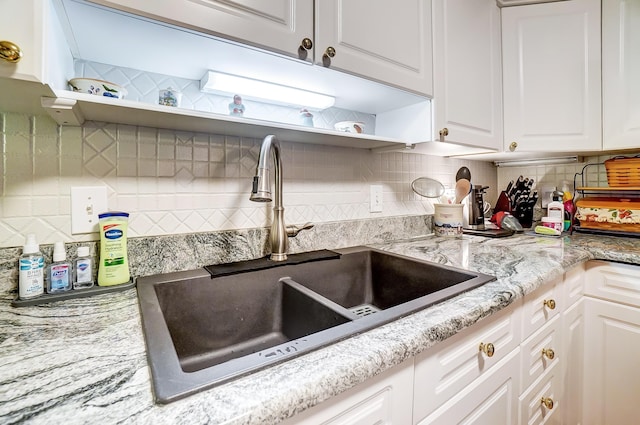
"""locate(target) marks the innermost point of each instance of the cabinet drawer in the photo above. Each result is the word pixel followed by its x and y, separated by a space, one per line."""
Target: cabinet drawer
pixel 573 286
pixel 613 282
pixel 532 408
pixel 449 367
pixel 540 352
pixel 541 306
pixel 491 399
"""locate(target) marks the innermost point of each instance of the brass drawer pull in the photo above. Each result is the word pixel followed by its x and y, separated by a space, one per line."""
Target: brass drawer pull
pixel 547 402
pixel 548 353
pixel 488 349
pixel 10 51
pixel 550 303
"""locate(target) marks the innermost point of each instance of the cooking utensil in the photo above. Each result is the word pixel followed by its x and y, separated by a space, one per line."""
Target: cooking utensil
pixel 429 188
pixel 463 173
pixel 463 187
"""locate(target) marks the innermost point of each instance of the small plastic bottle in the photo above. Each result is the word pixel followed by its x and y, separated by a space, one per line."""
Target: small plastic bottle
pixel 555 209
pixel 83 267
pixel 31 270
pixel 60 271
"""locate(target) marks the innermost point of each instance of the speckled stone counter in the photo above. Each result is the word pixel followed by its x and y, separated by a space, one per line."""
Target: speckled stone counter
pixel 84 361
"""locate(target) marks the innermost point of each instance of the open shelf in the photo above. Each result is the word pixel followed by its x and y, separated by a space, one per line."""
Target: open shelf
pixel 71 108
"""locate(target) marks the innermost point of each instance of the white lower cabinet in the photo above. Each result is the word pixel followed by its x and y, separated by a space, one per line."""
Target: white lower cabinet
pixel 612 344
pixel 385 399
pixel 574 364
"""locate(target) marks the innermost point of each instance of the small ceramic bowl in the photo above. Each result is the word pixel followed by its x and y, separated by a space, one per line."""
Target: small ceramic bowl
pixel 350 126
pixel 97 87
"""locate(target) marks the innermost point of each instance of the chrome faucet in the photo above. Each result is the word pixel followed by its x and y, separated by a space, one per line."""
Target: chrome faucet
pixel 261 192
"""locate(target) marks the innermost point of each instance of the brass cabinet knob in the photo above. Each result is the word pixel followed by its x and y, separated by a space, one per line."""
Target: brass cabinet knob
pixel 487 349
pixel 10 51
pixel 547 402
pixel 550 303
pixel 513 146
pixel 548 353
pixel 306 43
pixel 330 52
pixel 444 132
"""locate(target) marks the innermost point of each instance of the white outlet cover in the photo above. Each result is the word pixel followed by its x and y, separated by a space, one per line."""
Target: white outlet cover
pixel 375 198
pixel 86 203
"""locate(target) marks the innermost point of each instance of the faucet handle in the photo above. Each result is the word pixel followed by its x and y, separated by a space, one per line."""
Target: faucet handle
pixel 293 229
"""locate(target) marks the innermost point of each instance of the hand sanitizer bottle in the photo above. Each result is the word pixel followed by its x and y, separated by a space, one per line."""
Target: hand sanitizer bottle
pixel 31 270
pixel 83 267
pixel 59 271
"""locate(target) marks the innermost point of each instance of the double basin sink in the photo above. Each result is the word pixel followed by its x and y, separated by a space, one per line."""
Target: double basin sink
pixel 202 331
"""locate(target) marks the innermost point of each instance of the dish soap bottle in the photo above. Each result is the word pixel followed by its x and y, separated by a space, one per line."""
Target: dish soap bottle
pixel 555 209
pixel 59 271
pixel 31 270
pixel 83 267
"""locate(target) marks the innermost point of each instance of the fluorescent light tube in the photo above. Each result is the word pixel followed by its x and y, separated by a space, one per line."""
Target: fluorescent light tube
pixel 537 161
pixel 218 82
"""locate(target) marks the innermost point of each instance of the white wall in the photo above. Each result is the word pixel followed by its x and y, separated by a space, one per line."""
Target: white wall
pixel 176 182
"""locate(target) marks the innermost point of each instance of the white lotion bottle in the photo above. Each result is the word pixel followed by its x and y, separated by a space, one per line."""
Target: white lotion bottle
pixel 31 270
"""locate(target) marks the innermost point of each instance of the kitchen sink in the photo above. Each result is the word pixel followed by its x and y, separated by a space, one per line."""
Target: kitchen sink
pixel 202 331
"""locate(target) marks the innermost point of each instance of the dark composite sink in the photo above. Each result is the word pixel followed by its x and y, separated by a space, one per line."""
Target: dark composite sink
pixel 202 331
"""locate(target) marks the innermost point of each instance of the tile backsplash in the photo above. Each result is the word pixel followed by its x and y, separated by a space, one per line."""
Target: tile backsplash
pixel 175 182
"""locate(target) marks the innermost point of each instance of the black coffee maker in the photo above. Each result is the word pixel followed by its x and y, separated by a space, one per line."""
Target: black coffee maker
pixel 476 207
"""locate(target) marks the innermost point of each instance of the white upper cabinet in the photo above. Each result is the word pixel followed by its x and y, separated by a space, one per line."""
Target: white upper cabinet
pixel 277 25
pixel 552 76
pixel 620 71
pixel 383 40
pixel 34 30
pixel 467 72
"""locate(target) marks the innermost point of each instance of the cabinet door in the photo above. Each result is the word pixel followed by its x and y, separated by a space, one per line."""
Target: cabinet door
pixel 26 30
pixel 277 25
pixel 467 72
pixel 33 26
pixel 383 40
pixel 551 73
pixel 385 399
pixel 620 70
pixel 491 399
pixel 612 375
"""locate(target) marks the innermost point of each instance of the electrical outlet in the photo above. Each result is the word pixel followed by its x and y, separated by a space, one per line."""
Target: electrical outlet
pixel 86 204
pixel 375 198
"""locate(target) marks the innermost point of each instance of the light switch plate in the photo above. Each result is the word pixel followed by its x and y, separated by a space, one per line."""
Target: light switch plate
pixel 376 198
pixel 86 203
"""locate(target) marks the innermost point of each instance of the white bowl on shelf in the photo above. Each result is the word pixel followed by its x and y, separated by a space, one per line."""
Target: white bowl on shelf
pixel 97 87
pixel 350 126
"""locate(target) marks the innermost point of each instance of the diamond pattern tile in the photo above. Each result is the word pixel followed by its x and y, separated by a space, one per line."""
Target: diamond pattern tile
pixel 181 182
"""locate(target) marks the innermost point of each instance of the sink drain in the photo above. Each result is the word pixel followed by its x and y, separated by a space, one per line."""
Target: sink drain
pixel 364 310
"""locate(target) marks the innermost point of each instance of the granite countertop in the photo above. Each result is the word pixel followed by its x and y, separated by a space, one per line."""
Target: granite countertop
pixel 83 360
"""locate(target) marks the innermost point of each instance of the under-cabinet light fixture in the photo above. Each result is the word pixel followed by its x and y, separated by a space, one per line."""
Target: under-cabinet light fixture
pixel 219 83
pixel 538 161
